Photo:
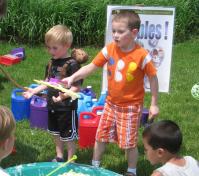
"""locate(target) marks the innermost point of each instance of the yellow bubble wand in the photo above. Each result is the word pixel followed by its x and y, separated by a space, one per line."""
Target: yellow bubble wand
pixel 64 164
pixel 57 86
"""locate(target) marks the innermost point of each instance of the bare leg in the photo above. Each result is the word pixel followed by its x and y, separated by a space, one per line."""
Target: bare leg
pixel 71 148
pixel 99 149
pixel 59 146
pixel 132 157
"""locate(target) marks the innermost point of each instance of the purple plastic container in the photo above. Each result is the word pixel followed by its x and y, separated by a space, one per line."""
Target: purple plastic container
pixel 19 52
pixel 38 113
pixel 144 117
pixel 88 91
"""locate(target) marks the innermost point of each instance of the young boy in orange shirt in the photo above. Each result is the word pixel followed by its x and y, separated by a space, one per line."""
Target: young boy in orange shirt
pixel 127 63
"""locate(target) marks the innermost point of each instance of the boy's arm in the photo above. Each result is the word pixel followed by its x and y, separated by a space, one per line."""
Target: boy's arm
pixel 30 92
pixel 80 74
pixel 63 96
pixel 154 109
pixel 39 89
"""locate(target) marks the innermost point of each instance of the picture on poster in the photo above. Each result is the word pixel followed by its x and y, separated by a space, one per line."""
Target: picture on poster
pixel 155 35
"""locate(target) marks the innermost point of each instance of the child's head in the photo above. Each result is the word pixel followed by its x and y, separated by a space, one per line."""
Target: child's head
pixel 3 7
pixel 161 139
pixel 130 18
pixel 125 27
pixel 58 39
pixel 7 130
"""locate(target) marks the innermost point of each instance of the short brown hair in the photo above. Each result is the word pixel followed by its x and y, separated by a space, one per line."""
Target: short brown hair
pixel 59 34
pixel 164 134
pixel 3 7
pixel 7 123
pixel 133 19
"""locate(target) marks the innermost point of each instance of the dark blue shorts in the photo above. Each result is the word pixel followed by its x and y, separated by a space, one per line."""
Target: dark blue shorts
pixel 64 124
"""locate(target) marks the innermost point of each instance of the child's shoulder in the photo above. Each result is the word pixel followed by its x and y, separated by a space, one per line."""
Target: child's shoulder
pixel 156 173
pixel 3 173
pixel 191 160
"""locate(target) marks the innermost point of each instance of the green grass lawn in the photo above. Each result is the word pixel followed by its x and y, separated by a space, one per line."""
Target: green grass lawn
pixel 37 146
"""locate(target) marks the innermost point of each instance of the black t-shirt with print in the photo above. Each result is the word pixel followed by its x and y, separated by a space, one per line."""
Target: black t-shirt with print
pixel 53 70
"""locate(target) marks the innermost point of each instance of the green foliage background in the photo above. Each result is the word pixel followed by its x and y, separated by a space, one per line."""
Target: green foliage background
pixel 28 20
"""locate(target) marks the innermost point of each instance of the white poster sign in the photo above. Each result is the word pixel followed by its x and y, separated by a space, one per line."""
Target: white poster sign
pixel 155 35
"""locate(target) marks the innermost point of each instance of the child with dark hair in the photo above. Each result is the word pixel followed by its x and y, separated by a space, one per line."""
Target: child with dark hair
pixel 162 141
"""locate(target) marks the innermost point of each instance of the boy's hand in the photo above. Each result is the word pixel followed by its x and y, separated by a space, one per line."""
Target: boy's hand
pixel 153 111
pixel 61 97
pixel 68 81
pixel 56 99
pixel 28 94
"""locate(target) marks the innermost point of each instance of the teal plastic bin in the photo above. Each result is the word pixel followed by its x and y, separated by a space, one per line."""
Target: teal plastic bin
pixel 43 168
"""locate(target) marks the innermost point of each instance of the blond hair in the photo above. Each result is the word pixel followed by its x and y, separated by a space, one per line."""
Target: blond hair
pixel 7 123
pixel 3 7
pixel 132 18
pixel 59 34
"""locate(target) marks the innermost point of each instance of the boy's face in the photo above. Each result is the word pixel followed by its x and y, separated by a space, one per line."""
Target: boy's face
pixel 8 145
pixel 122 35
pixel 57 50
pixel 153 156
pixel 11 143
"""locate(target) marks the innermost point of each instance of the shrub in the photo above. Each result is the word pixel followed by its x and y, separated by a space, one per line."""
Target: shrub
pixel 28 20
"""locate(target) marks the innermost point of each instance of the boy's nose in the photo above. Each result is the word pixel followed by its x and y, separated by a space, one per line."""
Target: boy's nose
pixel 51 52
pixel 115 35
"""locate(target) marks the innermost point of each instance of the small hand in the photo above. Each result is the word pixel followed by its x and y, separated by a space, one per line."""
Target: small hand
pixel 28 94
pixel 68 81
pixel 153 111
pixel 56 99
pixel 61 97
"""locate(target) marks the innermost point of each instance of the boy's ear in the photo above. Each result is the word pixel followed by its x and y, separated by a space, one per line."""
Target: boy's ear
pixel 134 31
pixel 160 152
pixel 4 144
pixel 68 45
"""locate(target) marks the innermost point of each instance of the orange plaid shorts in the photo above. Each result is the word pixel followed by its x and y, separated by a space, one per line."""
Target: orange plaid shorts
pixel 119 124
